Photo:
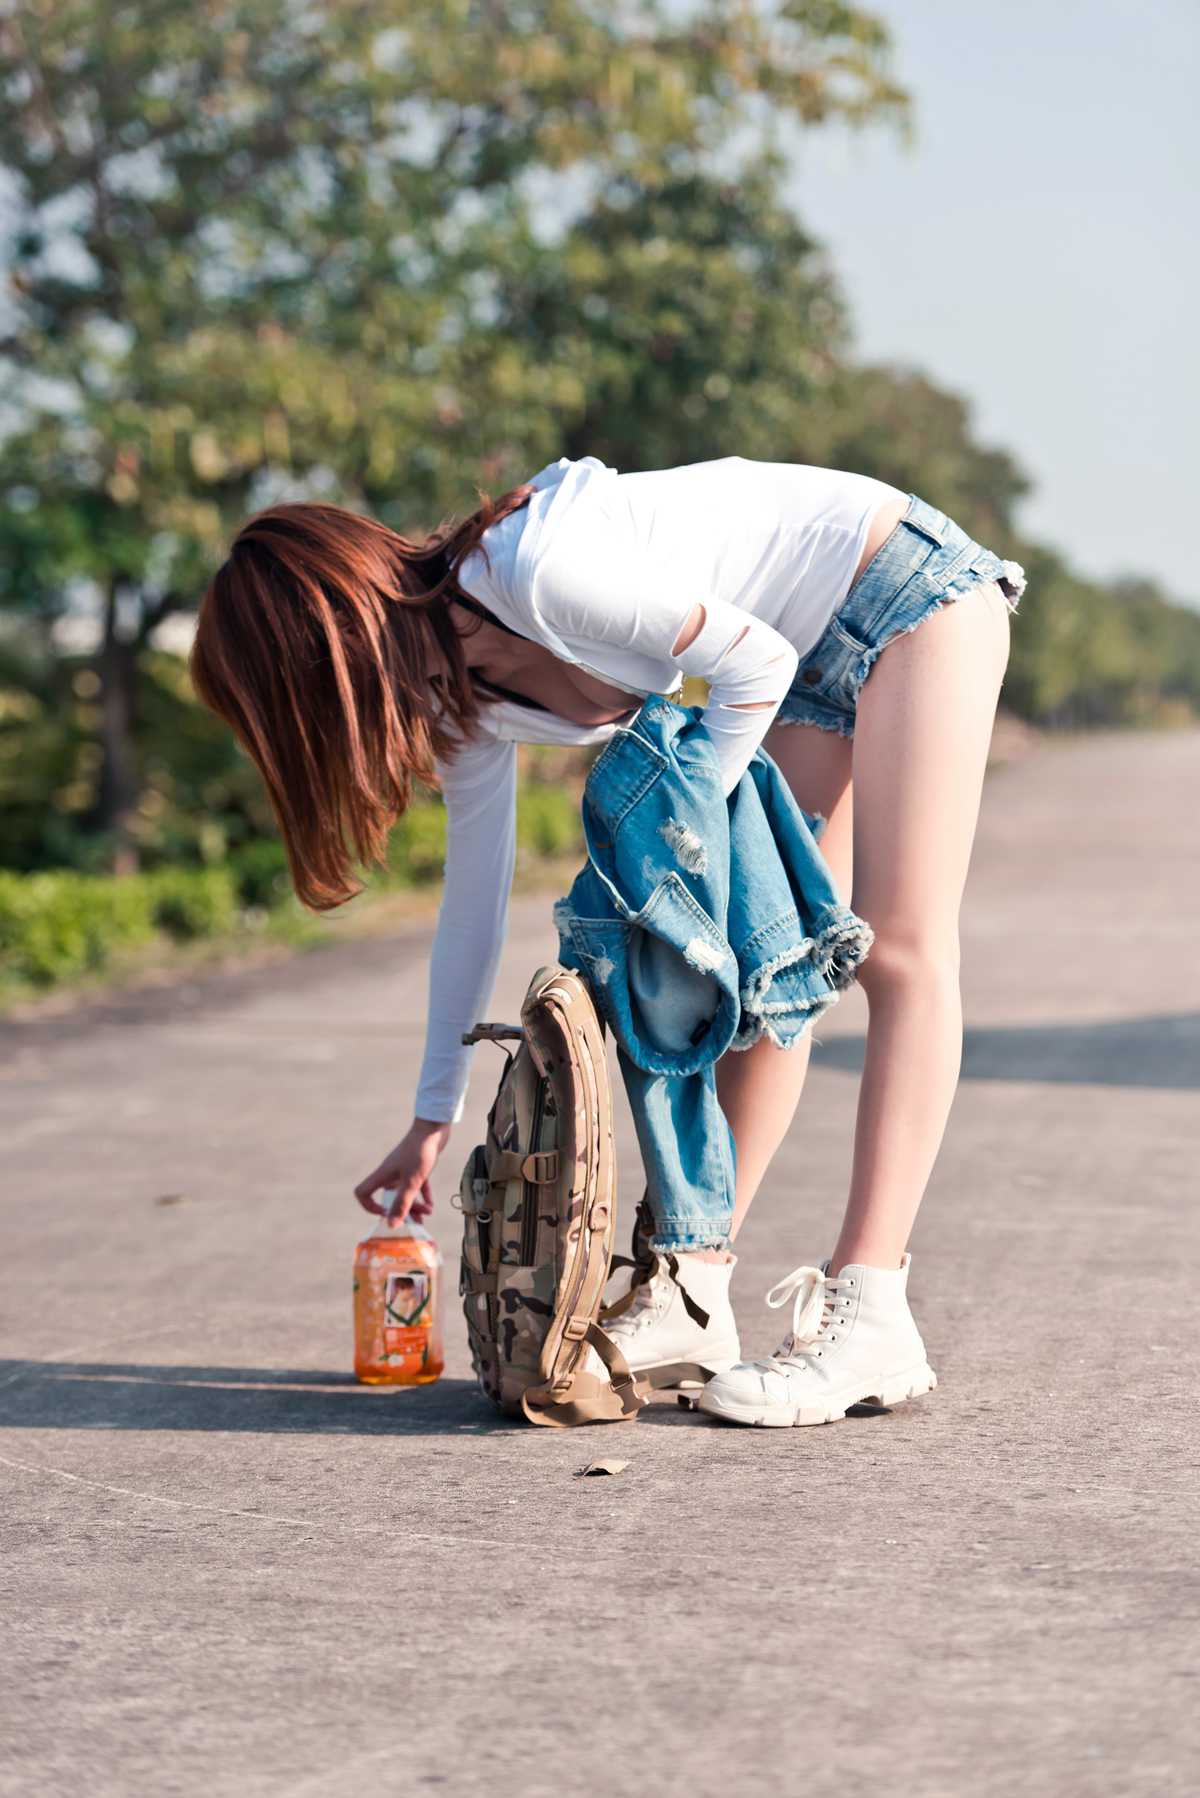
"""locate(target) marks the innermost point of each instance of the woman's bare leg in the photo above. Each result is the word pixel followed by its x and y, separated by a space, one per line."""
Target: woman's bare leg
pixel 759 1088
pixel 921 740
pixel 924 724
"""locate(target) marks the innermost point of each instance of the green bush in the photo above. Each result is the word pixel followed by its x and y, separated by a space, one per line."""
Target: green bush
pixel 260 872
pixel 56 926
pixel 548 825
pixel 548 821
pixel 417 850
pixel 193 902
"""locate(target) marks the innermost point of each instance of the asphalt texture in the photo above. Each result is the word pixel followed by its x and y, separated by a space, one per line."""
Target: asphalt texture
pixel 229 1570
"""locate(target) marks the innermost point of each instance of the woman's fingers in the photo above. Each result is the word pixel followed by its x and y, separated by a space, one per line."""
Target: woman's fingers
pixel 365 1189
pixel 384 1182
pixel 401 1205
pixel 404 1177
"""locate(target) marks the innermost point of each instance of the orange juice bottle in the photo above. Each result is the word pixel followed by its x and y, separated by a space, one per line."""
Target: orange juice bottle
pixel 397 1306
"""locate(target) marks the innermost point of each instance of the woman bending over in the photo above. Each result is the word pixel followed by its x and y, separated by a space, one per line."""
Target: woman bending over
pixel 350 661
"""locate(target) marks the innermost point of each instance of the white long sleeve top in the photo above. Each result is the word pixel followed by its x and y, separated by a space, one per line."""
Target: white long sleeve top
pixel 604 569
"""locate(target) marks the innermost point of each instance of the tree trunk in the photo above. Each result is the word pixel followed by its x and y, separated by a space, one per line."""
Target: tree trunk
pixel 118 794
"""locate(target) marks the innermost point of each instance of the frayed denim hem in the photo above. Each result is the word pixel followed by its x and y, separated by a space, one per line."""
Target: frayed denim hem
pixel 678 1239
pixel 970 582
pixel 842 727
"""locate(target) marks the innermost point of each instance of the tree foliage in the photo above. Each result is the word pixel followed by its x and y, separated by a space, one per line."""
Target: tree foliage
pixel 263 246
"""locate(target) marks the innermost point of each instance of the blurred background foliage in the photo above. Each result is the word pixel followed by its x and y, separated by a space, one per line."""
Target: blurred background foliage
pixel 388 256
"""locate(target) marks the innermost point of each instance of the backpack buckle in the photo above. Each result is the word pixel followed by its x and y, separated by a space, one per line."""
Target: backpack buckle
pixel 576 1329
pixel 540 1167
pixel 475 1202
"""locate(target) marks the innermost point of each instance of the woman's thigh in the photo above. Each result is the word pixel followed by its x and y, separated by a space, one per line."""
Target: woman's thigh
pixel 816 764
pixel 922 730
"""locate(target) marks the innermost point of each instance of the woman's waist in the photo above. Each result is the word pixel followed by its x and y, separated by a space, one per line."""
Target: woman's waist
pixel 883 523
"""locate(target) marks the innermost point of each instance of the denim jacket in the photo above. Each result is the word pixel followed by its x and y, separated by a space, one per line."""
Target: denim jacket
pixel 700 922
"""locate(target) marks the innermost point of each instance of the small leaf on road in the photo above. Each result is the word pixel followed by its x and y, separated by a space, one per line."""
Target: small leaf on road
pixel 602 1467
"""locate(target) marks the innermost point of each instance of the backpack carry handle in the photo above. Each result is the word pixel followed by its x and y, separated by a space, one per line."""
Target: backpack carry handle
pixel 493 1033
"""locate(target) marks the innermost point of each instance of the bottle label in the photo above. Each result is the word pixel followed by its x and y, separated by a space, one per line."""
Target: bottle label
pixel 406 1299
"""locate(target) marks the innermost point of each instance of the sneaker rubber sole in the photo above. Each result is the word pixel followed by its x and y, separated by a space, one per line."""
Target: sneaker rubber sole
pixel 891 1389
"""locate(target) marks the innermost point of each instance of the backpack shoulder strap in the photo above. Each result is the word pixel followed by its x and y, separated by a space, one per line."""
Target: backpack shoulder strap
pixel 562 1023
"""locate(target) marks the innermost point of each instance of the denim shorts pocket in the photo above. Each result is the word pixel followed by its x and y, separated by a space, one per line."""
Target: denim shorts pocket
pixel 931 524
pixel 834 669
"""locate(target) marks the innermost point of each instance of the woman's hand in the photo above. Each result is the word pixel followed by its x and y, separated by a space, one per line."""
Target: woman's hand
pixel 406 1171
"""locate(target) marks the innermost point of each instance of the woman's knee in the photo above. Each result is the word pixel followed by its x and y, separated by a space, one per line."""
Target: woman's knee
pixel 916 961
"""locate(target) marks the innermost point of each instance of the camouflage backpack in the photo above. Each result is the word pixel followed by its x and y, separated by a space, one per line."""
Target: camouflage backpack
pixel 538 1200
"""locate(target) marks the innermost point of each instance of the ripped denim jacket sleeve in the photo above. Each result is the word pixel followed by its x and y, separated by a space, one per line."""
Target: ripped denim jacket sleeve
pixel 701 923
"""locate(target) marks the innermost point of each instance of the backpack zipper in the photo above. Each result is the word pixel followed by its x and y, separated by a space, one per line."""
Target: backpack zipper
pixel 530 1209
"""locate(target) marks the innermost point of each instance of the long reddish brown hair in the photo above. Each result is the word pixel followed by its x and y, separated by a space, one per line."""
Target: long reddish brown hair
pixel 324 642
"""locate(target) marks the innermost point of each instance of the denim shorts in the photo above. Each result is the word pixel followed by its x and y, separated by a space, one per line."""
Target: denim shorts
pixel 926 561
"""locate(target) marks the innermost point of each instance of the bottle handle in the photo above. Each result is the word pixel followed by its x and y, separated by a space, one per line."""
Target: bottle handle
pixel 412 1227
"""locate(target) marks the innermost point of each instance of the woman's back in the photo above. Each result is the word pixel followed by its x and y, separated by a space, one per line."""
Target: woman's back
pixel 779 539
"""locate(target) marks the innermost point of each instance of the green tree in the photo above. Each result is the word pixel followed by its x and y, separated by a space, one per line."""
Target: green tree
pixel 1087 653
pixel 264 248
pixel 900 426
pixel 696 317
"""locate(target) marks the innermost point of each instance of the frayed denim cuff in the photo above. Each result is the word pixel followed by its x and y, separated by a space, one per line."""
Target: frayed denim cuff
pixel 684 1235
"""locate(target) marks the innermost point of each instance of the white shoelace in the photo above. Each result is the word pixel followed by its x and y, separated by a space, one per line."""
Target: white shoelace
pixel 646 1305
pixel 814 1300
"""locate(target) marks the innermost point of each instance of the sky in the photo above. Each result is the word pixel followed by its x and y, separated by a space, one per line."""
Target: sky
pixel 1037 250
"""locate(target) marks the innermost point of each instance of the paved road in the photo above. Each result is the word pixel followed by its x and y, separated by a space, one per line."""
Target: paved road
pixel 230 1571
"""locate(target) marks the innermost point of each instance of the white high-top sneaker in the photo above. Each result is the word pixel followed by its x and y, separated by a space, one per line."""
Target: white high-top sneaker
pixel 679 1323
pixel 853 1341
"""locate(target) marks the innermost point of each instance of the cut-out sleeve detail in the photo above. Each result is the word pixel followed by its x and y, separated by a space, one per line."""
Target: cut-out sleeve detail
pixel 749 667
pixel 479 787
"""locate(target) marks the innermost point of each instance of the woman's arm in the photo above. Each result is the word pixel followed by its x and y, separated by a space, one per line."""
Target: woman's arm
pixel 479 787
pixel 748 665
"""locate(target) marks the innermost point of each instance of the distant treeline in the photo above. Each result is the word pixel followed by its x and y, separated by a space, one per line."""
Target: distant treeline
pixel 1085 653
